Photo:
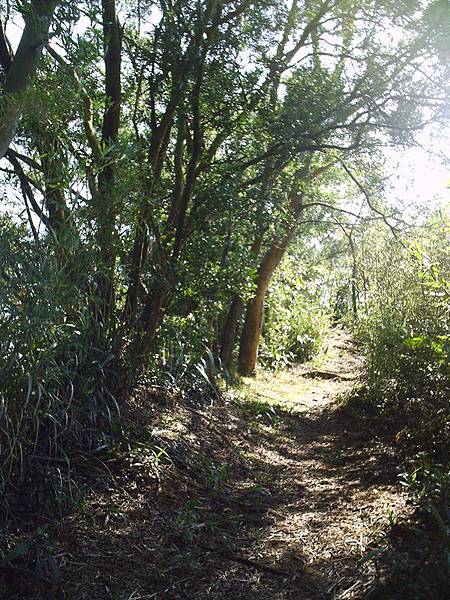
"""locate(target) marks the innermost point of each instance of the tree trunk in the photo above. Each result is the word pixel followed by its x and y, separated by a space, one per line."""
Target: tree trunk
pixel 151 318
pixel 251 332
pixel 38 17
pixel 60 220
pixel 354 280
pixel 248 348
pixel 229 331
pixel 106 200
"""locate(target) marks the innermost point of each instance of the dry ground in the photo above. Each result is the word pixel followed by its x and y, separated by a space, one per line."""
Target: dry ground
pixel 273 493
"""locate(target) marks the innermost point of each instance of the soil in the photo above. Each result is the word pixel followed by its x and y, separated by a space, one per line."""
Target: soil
pixel 273 491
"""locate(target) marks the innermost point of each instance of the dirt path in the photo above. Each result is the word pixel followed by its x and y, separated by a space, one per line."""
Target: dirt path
pixel 337 484
pixel 272 494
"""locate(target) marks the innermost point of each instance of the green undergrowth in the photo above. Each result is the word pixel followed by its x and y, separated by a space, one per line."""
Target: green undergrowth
pixel 406 397
pixel 297 319
pixel 257 411
pixel 405 392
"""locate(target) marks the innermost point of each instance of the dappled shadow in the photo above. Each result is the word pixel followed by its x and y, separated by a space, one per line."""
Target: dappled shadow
pixel 186 526
pixel 235 500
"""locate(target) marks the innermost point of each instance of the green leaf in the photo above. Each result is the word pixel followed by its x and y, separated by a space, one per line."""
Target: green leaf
pixel 415 342
pixel 18 551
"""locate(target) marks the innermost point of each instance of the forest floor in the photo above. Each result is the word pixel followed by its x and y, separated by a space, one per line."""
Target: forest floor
pixel 273 492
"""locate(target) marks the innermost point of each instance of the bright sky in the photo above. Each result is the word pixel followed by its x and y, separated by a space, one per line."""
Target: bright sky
pixel 420 176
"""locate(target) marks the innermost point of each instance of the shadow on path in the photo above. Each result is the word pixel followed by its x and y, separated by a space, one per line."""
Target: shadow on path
pixel 246 499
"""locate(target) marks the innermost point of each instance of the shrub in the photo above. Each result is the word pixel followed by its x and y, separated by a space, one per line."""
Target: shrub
pixel 57 381
pixel 296 319
pixel 405 327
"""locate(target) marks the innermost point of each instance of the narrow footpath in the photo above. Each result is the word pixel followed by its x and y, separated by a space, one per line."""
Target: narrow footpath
pixel 272 493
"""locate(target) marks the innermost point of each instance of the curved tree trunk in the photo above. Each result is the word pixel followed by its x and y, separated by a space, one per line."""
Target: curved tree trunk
pixel 230 327
pixel 251 332
pixel 38 17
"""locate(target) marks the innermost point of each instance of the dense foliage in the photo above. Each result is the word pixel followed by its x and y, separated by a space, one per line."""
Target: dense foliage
pixel 405 323
pixel 161 159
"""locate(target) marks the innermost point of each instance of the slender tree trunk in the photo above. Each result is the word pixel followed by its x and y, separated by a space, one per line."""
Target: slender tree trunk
pixel 185 68
pixel 145 226
pixel 354 292
pixel 151 315
pixel 53 164
pixel 38 16
pixel 230 327
pixel 229 331
pixel 251 332
pixel 106 200
pixel 60 220
pixel 354 279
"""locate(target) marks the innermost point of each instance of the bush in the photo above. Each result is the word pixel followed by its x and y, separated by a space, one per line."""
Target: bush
pixel 429 485
pixel 57 382
pixel 296 320
pixel 405 327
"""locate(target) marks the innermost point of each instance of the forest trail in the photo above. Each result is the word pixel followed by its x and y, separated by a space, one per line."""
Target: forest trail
pixel 339 486
pixel 274 493
pixel 315 384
